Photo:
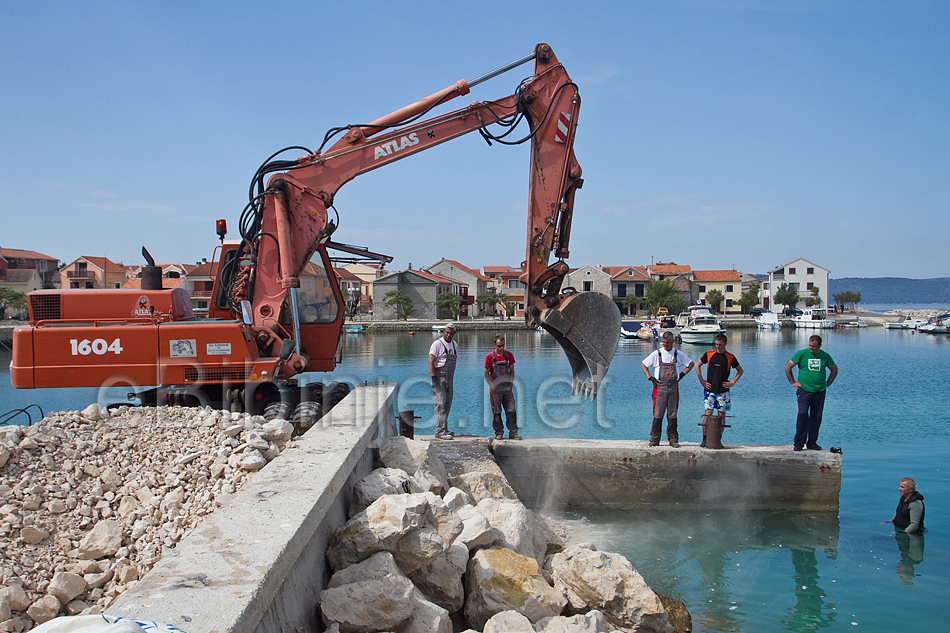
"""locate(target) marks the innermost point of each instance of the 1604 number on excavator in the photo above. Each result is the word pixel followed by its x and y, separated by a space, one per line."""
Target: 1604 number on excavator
pixel 98 346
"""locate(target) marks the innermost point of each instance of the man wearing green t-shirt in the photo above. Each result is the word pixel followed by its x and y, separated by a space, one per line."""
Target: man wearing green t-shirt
pixel 812 364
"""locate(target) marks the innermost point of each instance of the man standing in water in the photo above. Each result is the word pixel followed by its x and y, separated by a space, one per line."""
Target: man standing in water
pixel 666 363
pixel 500 376
pixel 716 385
pixel 909 517
pixel 811 385
pixel 442 356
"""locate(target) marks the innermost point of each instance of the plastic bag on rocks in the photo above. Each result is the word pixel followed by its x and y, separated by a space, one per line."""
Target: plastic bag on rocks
pixel 102 624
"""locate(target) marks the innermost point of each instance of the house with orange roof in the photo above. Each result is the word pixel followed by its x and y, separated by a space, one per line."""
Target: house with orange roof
pixel 627 281
pixel 93 272
pixel 17 259
pixel 477 283
pixel 727 282
pixel 507 280
pixel 367 272
pixel 422 287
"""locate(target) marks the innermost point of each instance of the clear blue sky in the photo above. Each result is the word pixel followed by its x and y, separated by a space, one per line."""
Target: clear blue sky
pixel 717 134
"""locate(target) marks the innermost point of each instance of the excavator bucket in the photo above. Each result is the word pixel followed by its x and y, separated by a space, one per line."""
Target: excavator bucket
pixel 587 326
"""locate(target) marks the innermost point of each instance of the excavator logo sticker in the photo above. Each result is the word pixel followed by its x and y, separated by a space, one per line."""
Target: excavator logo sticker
pixel 143 308
pixel 390 148
pixel 563 127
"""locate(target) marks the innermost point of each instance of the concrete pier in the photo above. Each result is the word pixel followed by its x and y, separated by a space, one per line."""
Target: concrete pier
pixel 557 474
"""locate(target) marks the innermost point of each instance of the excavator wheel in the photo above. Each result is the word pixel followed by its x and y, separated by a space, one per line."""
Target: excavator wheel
pixel 587 327
pixel 305 415
pixel 278 410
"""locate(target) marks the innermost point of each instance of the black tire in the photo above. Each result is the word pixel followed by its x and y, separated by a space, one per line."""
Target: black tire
pixel 274 410
pixel 305 415
pixel 338 391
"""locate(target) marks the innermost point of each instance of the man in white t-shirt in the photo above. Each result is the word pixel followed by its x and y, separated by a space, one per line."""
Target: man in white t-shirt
pixel 442 356
pixel 669 366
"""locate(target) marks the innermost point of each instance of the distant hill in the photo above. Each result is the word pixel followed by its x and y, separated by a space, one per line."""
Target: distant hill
pixel 893 289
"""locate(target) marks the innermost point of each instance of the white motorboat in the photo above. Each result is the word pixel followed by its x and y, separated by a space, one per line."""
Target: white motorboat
pixel 905 323
pixel 936 325
pixel 814 319
pixel 767 321
pixel 702 329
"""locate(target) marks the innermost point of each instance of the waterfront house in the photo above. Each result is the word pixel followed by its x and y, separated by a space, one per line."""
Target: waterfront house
pixel 367 273
pixel 45 266
pixel 802 275
pixel 727 282
pixel 507 281
pixel 477 282
pixel 627 281
pixel 93 272
pixel 422 287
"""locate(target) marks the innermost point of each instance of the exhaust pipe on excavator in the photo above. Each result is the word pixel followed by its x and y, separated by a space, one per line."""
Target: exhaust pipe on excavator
pixel 587 327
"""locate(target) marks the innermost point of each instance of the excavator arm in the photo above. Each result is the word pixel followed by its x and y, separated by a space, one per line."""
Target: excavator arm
pixel 286 222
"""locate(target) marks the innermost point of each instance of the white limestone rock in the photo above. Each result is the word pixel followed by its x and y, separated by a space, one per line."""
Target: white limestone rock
pixel 456 498
pixel 608 582
pixel 93 412
pixel 484 485
pixel 378 604
pixel 382 481
pixel 44 609
pixel 17 597
pixel 508 622
pixel 104 539
pixel 522 530
pixel 416 528
pixel 441 580
pixel 499 579
pixel 590 622
pixel 416 458
pixel 425 616
pixel 252 461
pixel 66 586
pixel 33 535
pixel 476 530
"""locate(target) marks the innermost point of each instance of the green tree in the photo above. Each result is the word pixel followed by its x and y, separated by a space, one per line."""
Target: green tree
pixel 848 299
pixel 787 295
pixel 662 294
pixel 400 302
pixel 715 299
pixel 451 303
pixel 749 298
pixel 814 299
pixel 11 300
pixel 510 307
pixel 490 300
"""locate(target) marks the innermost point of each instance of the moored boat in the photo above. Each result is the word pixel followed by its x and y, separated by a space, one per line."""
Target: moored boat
pixel 936 325
pixel 905 323
pixel 814 319
pixel 629 329
pixel 701 329
pixel 767 321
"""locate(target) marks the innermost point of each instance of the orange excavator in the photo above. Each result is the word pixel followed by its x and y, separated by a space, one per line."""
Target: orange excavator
pixel 263 328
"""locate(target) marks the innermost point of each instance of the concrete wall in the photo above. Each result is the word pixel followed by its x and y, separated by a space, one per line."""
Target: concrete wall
pixel 555 474
pixel 258 564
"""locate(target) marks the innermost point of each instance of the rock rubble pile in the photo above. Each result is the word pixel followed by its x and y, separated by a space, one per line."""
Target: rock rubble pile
pixel 90 501
pixel 423 552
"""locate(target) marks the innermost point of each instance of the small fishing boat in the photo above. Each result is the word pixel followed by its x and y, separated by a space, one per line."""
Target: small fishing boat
pixel 355 329
pixel 936 325
pixel 767 321
pixel 905 323
pixel 814 319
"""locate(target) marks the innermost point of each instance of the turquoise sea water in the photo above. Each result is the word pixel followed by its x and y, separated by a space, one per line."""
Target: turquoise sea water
pixel 737 570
